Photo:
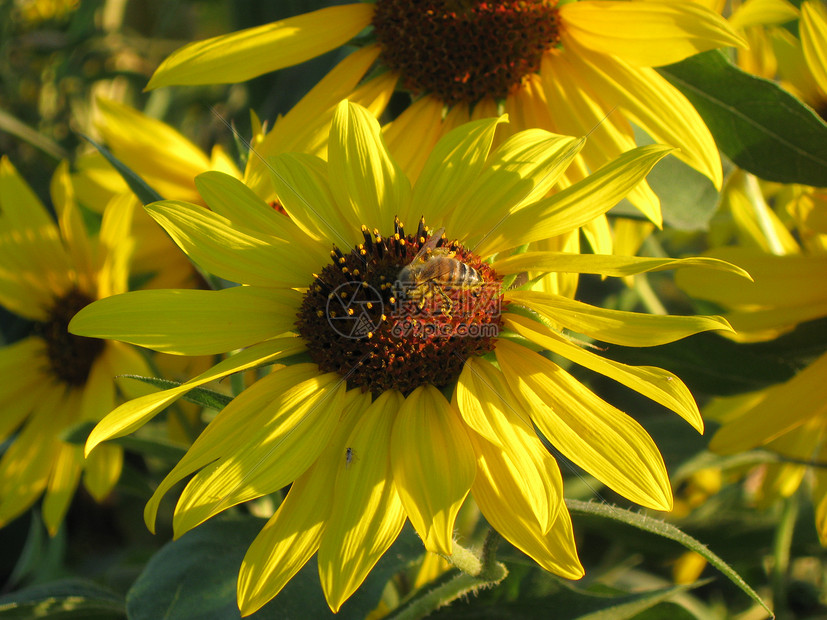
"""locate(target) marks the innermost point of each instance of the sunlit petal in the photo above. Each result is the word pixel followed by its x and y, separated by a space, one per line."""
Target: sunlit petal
pixel 604 441
pixel 369 514
pixel 242 55
pixel 428 440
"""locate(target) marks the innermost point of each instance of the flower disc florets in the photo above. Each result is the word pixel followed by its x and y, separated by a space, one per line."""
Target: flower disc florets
pixel 70 357
pixel 380 331
pixel 465 50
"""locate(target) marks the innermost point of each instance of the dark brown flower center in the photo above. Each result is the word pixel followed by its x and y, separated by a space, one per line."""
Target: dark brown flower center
pixel 387 316
pixel 70 356
pixel 465 50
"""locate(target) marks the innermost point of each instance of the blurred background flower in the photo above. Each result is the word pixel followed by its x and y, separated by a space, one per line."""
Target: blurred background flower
pixel 50 271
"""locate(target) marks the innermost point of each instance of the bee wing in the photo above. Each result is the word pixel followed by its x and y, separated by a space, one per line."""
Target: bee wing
pixel 429 245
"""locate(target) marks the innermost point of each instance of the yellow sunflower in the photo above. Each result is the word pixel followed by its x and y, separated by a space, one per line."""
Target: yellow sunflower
pixel 421 388
pixel 561 67
pixel 48 271
pixel 790 269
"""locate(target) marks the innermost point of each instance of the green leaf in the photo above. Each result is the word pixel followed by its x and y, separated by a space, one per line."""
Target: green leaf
pixel 195 577
pixel 688 199
pixel 631 605
pixel 41 558
pixel 64 599
pixel 718 366
pixel 209 399
pixel 665 530
pixel 761 127
pixel 710 363
pixel 138 186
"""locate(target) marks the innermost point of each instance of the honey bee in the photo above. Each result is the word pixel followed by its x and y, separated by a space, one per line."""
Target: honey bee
pixel 430 270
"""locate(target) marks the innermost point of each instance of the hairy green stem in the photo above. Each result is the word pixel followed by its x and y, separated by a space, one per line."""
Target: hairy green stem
pixel 477 572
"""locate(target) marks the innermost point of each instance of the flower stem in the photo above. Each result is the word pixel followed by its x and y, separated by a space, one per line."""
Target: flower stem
pixel 781 556
pixel 477 572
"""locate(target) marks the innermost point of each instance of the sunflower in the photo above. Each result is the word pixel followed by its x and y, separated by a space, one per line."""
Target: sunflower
pixel 418 391
pixel 789 268
pixel 49 271
pixel 562 68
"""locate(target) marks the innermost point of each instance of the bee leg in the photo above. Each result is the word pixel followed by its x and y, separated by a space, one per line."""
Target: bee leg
pixel 447 305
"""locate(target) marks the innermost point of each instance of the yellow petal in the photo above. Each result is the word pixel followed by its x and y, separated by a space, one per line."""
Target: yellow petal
pixel 578 111
pixel 235 253
pixel 102 470
pixel 369 186
pixel 26 465
pixel 23 360
pixel 157 152
pixel 784 408
pixel 598 235
pixel 72 228
pixel 20 292
pixel 519 172
pixel 486 403
pixel 597 437
pixel 653 104
pixel 763 13
pixel 115 245
pixel 293 534
pixel 32 252
pixel 433 465
pixel 286 543
pixel 780 281
pixel 230 430
pixel 574 206
pixel 755 221
pixel 375 94
pixel 422 118
pixel 221 161
pixel 368 513
pixel 631 329
pixel 792 66
pixel 813 26
pixel 454 164
pixel 242 55
pixel 66 468
pixel 607 265
pixel 303 189
pixel 233 200
pixel 660 385
pixel 501 496
pixel 648 34
pixel 190 322
pixel 306 126
pixel 757 325
pixel 135 413
pixel 261 448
